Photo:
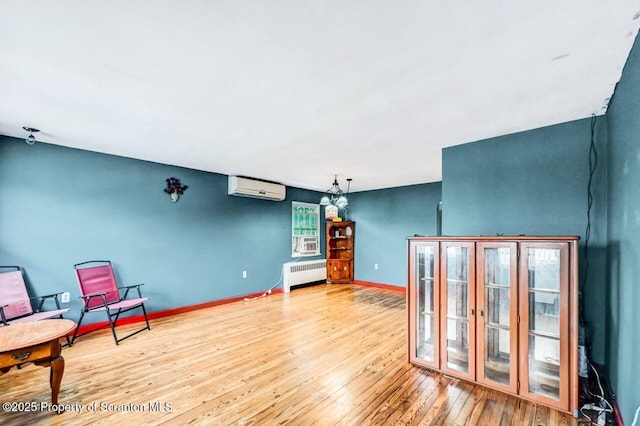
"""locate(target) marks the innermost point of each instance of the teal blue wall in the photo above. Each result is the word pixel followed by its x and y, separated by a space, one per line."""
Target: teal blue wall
pixel 623 297
pixel 534 183
pixel 384 219
pixel 60 206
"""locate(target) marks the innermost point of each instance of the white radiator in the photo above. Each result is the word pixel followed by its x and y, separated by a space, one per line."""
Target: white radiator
pixel 296 273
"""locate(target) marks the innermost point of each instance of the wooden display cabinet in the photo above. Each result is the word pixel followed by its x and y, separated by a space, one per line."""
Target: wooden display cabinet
pixel 340 251
pixel 499 311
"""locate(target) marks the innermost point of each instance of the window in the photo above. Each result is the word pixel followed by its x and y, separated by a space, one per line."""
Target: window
pixel 305 225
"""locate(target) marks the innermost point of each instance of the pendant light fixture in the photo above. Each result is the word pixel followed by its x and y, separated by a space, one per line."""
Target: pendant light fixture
pixel 335 195
pixel 31 139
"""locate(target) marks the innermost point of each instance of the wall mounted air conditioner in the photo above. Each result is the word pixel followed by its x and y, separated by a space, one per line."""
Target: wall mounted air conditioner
pixel 245 187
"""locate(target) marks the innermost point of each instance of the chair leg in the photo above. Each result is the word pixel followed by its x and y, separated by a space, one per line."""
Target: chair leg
pixel 144 311
pixel 113 318
pixel 113 327
pixel 146 319
pixel 117 315
pixel 75 333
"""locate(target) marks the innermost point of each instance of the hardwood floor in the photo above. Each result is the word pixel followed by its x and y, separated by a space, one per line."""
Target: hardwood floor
pixel 327 354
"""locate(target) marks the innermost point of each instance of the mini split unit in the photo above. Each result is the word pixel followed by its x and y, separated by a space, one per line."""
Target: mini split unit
pixel 245 187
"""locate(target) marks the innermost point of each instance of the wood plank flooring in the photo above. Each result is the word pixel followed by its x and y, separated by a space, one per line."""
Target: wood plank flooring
pixel 325 355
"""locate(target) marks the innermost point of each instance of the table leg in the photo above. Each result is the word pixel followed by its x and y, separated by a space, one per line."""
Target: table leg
pixel 55 378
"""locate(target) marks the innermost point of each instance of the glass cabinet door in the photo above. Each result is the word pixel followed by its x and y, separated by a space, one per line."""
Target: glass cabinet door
pixel 497 314
pixel 544 305
pixel 457 316
pixel 423 303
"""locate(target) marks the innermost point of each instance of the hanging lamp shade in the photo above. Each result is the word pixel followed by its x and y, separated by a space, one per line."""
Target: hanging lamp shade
pixel 342 201
pixel 325 200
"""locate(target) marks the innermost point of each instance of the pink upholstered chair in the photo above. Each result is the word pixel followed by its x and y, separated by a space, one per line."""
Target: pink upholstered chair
pixel 100 293
pixel 15 303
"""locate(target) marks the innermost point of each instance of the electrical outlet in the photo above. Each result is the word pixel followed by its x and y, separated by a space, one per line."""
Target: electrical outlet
pixel 375 266
pixel 64 297
pixel 244 274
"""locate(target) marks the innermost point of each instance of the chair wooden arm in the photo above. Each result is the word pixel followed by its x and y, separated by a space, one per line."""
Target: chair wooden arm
pixel 87 298
pixel 104 293
pixel 129 287
pixel 45 297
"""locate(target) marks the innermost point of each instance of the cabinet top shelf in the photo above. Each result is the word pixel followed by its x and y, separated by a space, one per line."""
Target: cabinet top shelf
pixel 536 238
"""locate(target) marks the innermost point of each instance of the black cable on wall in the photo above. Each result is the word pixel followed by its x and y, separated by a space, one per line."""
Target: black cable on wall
pixel 593 164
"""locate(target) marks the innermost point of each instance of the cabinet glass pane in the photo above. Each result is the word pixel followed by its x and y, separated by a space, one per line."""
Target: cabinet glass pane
pixel 458 264
pixel 497 307
pixel 544 269
pixel 544 321
pixel 544 313
pixel 497 265
pixel 497 362
pixel 544 366
pixel 458 308
pixel 425 257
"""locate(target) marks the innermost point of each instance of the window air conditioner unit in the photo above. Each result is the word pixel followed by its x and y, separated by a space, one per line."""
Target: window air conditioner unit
pixel 309 245
pixel 245 187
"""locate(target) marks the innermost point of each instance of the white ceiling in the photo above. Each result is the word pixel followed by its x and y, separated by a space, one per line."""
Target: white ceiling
pixel 296 91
